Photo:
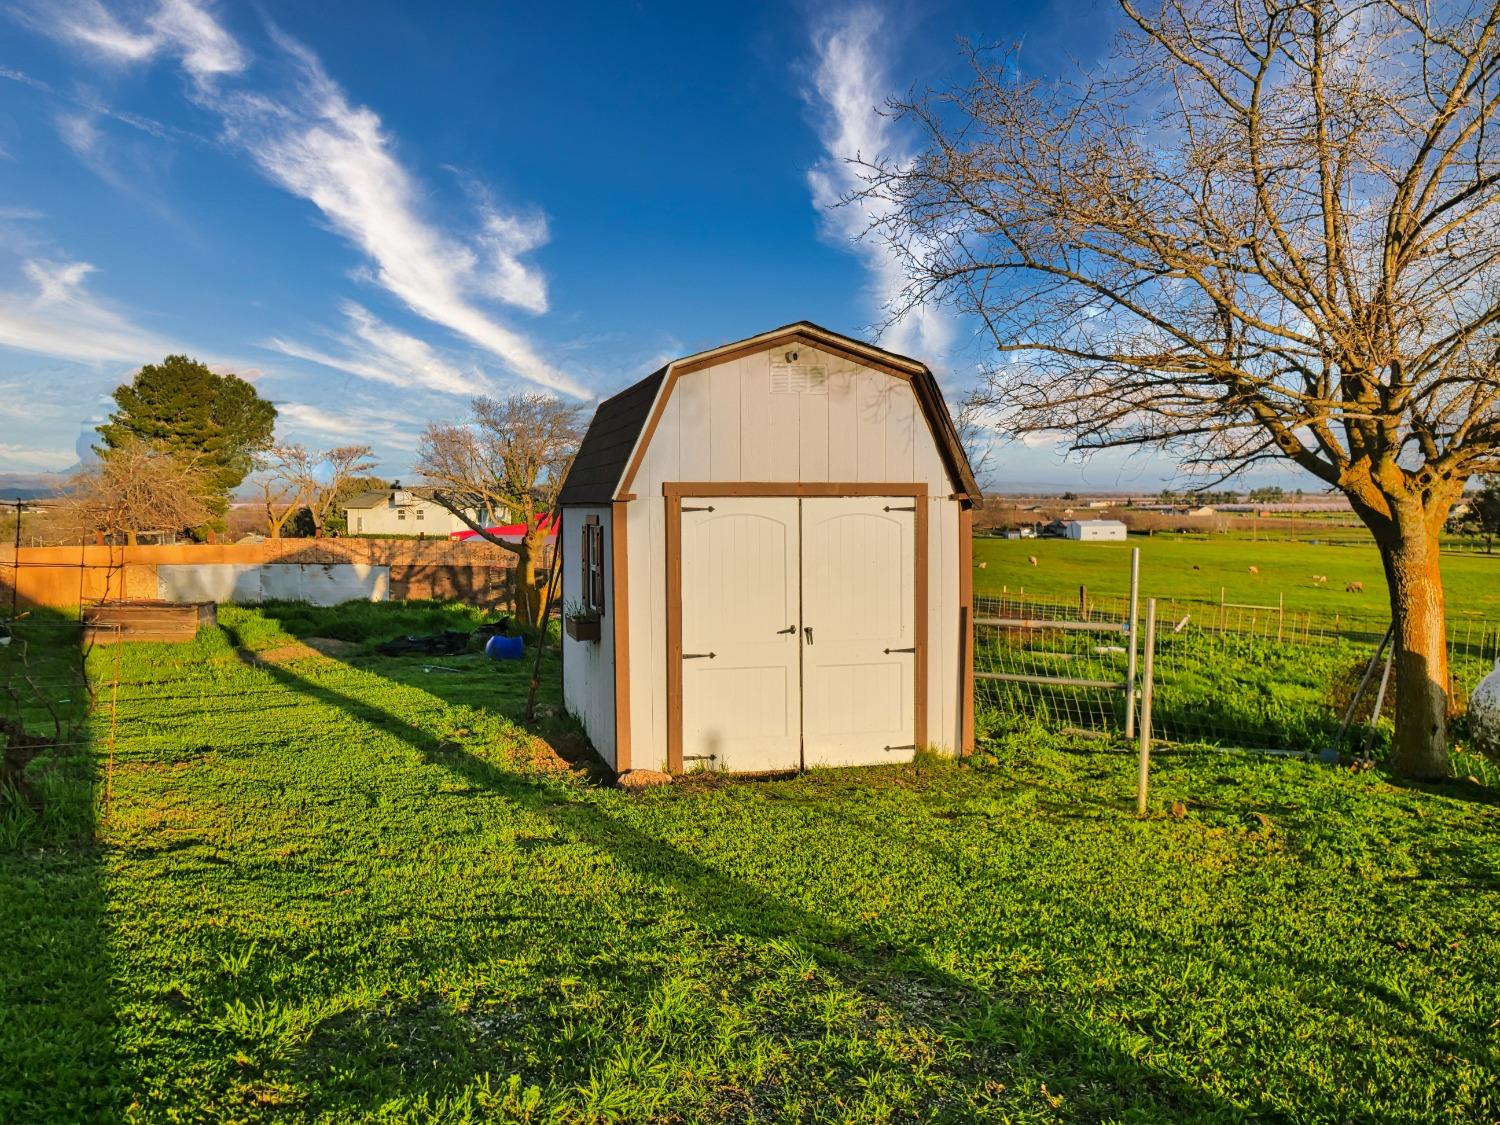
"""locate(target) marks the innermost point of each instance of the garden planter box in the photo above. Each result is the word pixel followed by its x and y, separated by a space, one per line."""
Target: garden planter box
pixel 170 622
pixel 583 628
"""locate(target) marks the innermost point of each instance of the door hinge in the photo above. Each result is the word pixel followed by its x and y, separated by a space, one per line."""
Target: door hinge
pixel 888 508
pixel 699 655
pixel 707 509
pixel 891 650
pixel 908 746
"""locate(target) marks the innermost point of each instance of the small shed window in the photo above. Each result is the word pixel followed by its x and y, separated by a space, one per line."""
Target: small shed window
pixel 421 513
pixel 400 513
pixel 593 565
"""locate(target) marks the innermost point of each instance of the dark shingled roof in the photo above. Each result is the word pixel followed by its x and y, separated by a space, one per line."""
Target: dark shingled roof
pixel 605 451
pixel 606 446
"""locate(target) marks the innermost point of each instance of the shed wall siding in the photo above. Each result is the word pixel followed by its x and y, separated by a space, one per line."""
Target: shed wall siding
pixel 724 424
pixel 588 666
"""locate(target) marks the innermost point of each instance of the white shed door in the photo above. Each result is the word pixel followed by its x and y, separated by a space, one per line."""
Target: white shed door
pixel 858 653
pixel 798 632
pixel 741 689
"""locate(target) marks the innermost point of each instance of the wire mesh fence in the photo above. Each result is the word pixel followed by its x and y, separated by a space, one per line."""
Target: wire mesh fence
pixel 1237 675
pixel 1065 664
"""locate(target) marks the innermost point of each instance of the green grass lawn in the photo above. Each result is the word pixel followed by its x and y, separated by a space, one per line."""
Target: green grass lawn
pixel 1194 569
pixel 347 889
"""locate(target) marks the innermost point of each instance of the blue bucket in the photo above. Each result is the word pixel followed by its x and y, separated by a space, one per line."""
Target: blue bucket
pixel 502 647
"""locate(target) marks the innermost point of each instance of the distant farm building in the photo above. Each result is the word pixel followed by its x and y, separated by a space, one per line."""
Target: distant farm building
pixel 1091 531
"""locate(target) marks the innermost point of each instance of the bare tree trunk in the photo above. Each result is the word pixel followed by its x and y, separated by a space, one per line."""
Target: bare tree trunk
pixel 529 582
pixel 1409 552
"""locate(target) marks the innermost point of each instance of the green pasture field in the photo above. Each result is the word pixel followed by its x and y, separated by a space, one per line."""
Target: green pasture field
pixel 1189 568
pixel 345 888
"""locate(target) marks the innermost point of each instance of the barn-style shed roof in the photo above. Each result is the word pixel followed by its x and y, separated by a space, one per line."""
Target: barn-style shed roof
pixel 616 437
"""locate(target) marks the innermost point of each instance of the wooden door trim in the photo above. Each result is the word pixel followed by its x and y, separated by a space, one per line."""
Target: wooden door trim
pixel 672 496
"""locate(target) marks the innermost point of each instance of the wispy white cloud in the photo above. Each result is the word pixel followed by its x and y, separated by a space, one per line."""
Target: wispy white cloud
pixel 28 458
pixel 848 91
pixel 372 349
pixel 129 164
pixel 314 142
pixel 338 157
pixel 60 317
pixel 87 100
pixel 181 29
pixel 350 425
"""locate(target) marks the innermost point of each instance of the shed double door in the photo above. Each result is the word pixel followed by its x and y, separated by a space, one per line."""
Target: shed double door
pixel 798 631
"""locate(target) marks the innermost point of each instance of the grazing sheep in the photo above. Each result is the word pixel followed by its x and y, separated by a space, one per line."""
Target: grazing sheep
pixel 1355 588
pixel 1031 559
pixel 1255 570
pixel 1320 579
pixel 984 566
pixel 1195 566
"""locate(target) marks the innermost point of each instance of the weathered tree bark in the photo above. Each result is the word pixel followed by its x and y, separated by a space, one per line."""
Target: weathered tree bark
pixel 1409 553
pixel 528 585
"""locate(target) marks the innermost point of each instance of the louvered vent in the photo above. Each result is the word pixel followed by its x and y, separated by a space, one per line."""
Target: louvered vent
pixel 798 378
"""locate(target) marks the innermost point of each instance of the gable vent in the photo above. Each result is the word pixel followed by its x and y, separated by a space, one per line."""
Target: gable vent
pixel 798 378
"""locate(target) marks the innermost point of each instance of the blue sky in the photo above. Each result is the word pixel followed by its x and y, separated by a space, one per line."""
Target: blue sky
pixel 375 210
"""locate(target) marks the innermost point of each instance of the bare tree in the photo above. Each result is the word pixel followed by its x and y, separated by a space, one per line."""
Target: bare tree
pixel 141 488
pixel 509 455
pixel 284 484
pixel 327 474
pixel 976 432
pixel 1263 230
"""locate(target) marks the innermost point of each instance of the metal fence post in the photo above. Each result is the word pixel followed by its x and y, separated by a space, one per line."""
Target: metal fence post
pixel 1135 586
pixel 1148 680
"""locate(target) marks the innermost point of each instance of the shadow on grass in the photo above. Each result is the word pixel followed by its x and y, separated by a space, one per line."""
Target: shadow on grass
pixel 57 1034
pixel 995 1025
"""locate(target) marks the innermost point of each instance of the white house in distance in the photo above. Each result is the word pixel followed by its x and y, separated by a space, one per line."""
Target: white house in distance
pixel 766 562
pixel 405 511
pixel 1091 531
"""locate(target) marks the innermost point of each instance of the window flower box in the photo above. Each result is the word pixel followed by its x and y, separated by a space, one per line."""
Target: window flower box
pixel 582 628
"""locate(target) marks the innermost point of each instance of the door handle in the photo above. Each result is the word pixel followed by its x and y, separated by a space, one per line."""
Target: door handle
pixel 807 632
pixel 788 629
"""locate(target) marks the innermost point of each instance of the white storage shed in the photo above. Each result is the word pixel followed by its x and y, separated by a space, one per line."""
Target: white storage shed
pixel 1095 530
pixel 766 562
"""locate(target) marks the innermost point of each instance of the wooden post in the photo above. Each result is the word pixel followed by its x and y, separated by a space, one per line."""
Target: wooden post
pixel 1280 615
pixel 1148 682
pixel 1135 586
pixel 1221 609
pixel 1083 603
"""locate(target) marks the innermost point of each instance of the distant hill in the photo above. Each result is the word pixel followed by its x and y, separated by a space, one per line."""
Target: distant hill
pixel 31 486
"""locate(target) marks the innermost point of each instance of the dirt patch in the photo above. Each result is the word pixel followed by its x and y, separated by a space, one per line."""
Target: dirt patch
pixel 332 646
pixel 561 751
pixel 285 654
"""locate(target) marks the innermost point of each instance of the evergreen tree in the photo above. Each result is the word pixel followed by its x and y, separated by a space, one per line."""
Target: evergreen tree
pixel 180 407
pixel 1481 514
